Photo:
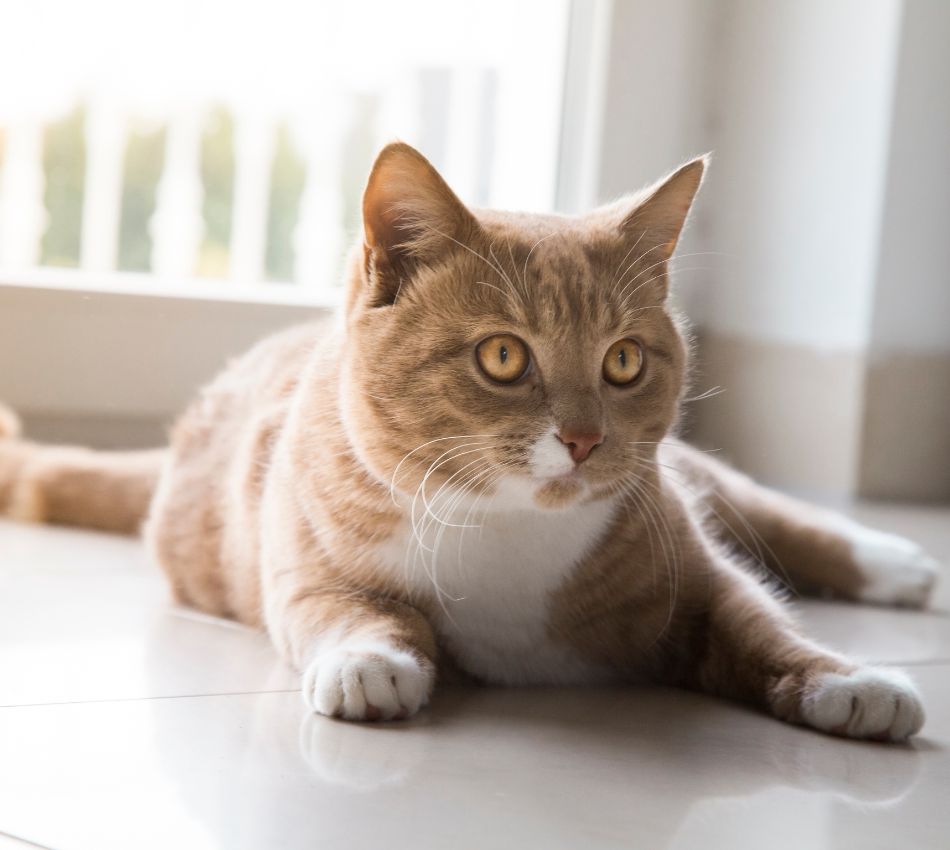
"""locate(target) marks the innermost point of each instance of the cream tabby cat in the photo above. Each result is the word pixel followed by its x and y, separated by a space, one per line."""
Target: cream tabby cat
pixel 473 468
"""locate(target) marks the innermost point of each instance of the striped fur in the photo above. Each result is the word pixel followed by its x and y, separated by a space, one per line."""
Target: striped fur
pixel 364 492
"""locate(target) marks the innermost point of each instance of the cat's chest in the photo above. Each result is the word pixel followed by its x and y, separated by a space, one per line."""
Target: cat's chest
pixel 490 584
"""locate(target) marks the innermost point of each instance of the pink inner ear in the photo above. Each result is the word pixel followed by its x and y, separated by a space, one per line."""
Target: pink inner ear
pixel 408 204
pixel 380 214
pixel 409 214
pixel 660 212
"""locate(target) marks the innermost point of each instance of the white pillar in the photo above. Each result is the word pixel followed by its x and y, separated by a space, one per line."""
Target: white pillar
pixel 177 226
pixel 464 132
pixel 102 196
pixel 23 217
pixel 319 243
pixel 399 115
pixel 252 171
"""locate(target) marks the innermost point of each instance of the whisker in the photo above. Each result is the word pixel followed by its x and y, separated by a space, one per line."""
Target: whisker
pixel 428 504
pixel 660 277
pixel 632 265
pixel 500 469
pixel 671 555
pixel 650 523
pixel 475 253
pixel 439 462
pixel 642 272
pixel 524 273
pixel 502 272
pixel 514 267
pixel 492 286
pixel 712 392
pixel 421 489
pixel 758 541
pixel 485 477
pixel 392 483
pixel 661 442
pixel 455 500
pixel 625 498
pixel 630 250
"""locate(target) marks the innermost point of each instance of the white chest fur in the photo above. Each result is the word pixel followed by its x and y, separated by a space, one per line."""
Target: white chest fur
pixel 492 581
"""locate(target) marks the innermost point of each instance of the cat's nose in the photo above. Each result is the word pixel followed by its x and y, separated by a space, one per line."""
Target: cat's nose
pixel 580 443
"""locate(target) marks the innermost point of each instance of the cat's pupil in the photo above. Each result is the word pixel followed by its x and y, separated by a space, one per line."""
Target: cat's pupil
pixel 503 354
pixel 622 357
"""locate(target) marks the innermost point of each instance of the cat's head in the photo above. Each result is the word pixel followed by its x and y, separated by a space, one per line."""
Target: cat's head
pixel 530 359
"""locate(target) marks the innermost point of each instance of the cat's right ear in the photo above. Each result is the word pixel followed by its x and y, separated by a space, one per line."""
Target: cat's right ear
pixel 410 216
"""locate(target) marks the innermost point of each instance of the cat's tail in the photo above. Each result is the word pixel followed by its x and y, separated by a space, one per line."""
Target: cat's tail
pixel 66 485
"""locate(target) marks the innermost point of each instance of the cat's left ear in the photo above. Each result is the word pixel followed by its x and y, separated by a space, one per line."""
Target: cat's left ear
pixel 659 212
pixel 410 217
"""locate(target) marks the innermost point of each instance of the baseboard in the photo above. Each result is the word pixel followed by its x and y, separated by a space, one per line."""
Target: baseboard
pixel 98 432
pixel 789 415
pixel 906 437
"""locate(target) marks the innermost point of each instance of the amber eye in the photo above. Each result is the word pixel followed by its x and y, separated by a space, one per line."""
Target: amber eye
pixel 623 362
pixel 503 357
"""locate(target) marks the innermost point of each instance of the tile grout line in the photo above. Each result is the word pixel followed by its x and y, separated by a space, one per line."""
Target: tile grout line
pixel 26 841
pixel 928 662
pixel 147 699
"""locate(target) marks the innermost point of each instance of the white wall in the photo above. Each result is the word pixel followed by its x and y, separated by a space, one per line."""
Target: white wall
pixel 112 368
pixel 802 124
pixel 905 450
pixel 823 220
pixel 794 100
pixel 657 91
pixel 912 303
pixel 657 111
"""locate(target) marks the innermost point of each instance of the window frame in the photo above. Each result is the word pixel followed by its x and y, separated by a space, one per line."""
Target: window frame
pixel 66 369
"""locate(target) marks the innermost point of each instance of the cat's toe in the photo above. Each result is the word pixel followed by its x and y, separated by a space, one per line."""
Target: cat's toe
pixel 896 571
pixel 375 681
pixel 873 703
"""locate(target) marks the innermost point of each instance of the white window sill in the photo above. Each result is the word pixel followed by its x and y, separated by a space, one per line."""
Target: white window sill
pixel 150 286
pixel 111 360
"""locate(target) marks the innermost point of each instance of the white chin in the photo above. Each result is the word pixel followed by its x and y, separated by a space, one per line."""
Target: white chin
pixel 524 493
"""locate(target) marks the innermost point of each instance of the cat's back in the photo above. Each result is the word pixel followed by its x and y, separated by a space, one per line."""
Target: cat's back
pixel 204 514
pixel 252 392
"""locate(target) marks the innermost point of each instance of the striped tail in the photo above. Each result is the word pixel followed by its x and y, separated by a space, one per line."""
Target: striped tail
pixel 65 485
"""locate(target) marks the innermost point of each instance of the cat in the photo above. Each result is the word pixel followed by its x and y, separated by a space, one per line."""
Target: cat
pixel 473 468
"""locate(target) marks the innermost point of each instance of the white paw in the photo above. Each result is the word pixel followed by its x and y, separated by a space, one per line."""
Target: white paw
pixel 897 571
pixel 868 703
pixel 367 681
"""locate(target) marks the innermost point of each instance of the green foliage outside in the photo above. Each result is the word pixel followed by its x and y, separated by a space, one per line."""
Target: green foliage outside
pixel 64 167
pixel 287 178
pixel 142 170
pixel 359 150
pixel 217 179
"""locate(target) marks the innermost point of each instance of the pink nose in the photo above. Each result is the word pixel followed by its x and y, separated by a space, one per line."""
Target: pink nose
pixel 580 443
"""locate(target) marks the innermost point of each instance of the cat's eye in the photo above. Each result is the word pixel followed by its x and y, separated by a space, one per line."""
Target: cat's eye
pixel 623 362
pixel 503 357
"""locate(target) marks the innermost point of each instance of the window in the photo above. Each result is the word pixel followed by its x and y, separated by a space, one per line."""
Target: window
pixel 158 145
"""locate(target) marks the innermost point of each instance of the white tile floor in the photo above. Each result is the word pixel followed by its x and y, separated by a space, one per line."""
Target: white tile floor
pixel 126 723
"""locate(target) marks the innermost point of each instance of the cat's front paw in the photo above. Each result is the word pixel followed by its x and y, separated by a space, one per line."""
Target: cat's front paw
pixel 872 703
pixel 896 571
pixel 370 681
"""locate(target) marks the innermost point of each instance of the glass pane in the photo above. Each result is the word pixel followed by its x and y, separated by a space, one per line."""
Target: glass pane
pixel 230 141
